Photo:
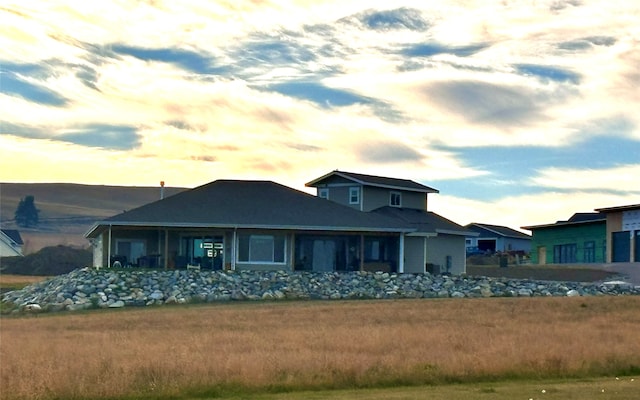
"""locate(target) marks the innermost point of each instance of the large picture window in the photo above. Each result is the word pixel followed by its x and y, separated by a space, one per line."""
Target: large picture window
pixel 255 248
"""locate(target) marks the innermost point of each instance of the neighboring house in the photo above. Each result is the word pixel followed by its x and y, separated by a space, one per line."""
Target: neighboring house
pixel 10 243
pixel 496 238
pixel 436 244
pixel 262 225
pixel 581 239
pixel 622 233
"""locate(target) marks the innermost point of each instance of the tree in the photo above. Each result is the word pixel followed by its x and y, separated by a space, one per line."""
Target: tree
pixel 27 214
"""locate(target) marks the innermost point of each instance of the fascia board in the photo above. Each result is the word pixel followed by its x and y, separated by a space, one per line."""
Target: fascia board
pixel 253 226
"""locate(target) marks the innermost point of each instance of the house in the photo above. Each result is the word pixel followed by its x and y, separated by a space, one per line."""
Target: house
pixel 262 225
pixel 496 238
pixel 580 239
pixel 622 233
pixel 436 244
pixel 10 243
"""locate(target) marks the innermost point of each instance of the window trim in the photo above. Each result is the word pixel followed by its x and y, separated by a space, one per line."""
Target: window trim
pixel 354 190
pixel 323 193
pixel 391 196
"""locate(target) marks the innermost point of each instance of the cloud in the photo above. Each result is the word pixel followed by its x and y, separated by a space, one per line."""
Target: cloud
pixel 318 93
pixel 387 153
pixel 103 136
pixel 188 60
pixel 385 20
pixel 432 49
pixel 544 72
pixel 619 179
pixel 28 88
pixel 587 43
pixel 483 102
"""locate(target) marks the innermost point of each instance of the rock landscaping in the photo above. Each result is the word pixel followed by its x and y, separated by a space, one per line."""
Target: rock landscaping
pixel 89 288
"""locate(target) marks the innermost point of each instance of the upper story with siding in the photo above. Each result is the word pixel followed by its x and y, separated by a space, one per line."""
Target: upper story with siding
pixel 368 192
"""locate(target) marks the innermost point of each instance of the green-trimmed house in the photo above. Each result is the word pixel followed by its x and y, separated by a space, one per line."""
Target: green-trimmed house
pixel 581 239
pixel 357 222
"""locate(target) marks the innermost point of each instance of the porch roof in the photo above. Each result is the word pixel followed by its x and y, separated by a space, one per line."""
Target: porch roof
pixel 251 204
pixel 425 222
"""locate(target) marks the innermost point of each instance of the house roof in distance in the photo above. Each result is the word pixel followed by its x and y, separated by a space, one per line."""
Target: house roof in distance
pixel 499 230
pixel 14 235
pixel 619 208
pixel 372 180
pixel 576 219
pixel 250 204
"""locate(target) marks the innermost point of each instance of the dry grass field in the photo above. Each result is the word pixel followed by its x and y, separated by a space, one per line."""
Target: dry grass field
pixel 18 281
pixel 205 351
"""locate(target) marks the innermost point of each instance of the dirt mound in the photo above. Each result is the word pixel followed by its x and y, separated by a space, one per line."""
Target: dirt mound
pixel 53 260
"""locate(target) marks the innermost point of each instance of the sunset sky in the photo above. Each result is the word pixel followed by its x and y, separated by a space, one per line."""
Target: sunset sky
pixel 519 112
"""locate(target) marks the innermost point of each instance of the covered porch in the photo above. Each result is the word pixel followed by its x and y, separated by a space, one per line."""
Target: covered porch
pixel 242 248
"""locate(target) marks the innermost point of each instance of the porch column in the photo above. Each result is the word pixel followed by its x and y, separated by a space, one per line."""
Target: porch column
pixel 401 260
pixel 166 249
pixel 361 252
pixel 233 249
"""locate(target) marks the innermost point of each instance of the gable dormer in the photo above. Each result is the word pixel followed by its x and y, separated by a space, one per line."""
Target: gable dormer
pixel 368 192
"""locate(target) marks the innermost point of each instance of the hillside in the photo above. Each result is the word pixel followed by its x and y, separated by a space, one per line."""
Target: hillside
pixel 67 210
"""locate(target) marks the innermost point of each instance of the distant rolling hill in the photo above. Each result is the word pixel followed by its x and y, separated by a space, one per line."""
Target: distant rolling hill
pixel 68 210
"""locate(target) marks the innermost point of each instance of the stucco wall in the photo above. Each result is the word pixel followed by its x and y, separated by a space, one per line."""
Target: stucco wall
pixel 414 262
pixel 438 248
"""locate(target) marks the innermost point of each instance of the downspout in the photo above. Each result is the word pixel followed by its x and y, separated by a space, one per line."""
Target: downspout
pixel 424 254
pixel 401 260
pixel 233 249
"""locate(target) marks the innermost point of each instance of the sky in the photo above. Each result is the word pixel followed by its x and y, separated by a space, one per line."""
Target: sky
pixel 518 112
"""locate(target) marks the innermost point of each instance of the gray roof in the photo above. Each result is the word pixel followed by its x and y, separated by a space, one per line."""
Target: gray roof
pixel 576 219
pixel 497 230
pixel 424 221
pixel 584 217
pixel 619 208
pixel 378 181
pixel 251 204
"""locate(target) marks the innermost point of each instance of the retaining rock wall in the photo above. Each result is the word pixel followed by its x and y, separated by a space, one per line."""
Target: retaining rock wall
pixel 88 288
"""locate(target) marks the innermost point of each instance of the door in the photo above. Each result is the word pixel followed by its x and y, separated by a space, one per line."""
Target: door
pixel 542 255
pixel 621 247
pixel 637 246
pixel 206 251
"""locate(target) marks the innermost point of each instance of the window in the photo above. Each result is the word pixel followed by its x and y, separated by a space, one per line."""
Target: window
pixel 590 251
pixel 130 249
pixel 564 253
pixel 395 199
pixel 354 195
pixel 323 193
pixel 261 249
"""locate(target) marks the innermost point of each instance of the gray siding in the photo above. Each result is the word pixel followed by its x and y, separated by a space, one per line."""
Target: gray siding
pixel 340 194
pixel 438 248
pixel 375 197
